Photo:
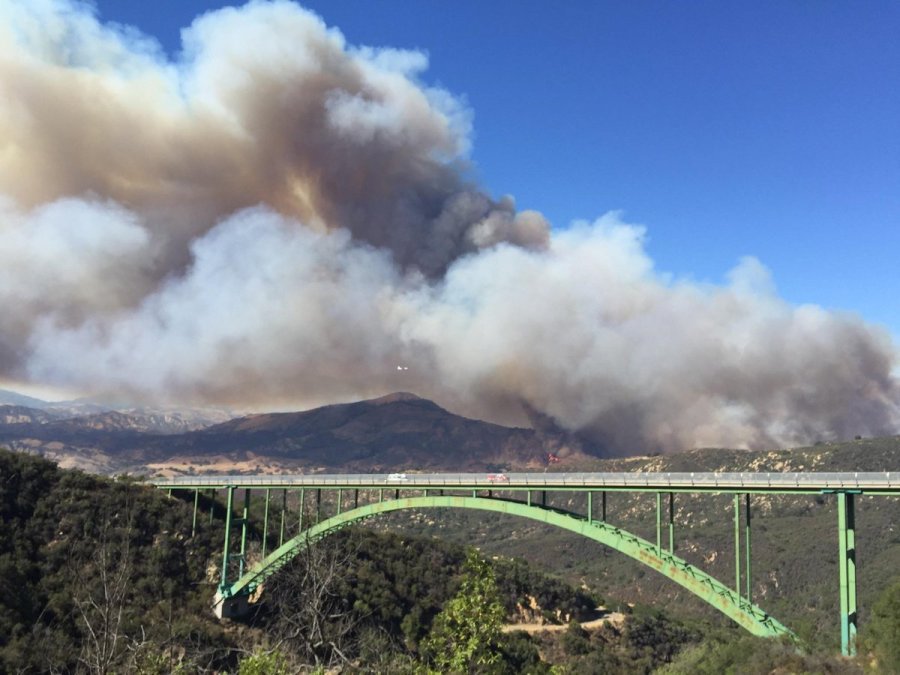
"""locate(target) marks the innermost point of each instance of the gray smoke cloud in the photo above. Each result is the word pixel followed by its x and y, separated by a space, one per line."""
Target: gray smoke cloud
pixel 286 225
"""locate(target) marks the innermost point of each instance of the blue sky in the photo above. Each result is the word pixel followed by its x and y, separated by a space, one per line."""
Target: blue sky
pixel 728 129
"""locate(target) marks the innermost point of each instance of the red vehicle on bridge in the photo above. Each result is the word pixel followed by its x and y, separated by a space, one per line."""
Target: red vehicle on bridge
pixel 498 477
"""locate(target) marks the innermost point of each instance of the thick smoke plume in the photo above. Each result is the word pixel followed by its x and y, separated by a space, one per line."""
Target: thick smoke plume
pixel 280 219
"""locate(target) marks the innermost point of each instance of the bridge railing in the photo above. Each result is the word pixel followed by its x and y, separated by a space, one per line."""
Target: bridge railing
pixel 808 480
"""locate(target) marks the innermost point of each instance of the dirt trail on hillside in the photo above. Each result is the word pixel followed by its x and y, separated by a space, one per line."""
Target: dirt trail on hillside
pixel 616 618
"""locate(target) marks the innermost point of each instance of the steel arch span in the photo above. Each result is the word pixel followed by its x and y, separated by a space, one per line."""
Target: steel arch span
pixel 726 600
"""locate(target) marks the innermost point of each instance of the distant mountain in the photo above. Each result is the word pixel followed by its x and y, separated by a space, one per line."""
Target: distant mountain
pixel 22 415
pixel 398 431
pixel 143 421
pixel 8 397
pixel 60 408
pixel 102 415
pixel 395 431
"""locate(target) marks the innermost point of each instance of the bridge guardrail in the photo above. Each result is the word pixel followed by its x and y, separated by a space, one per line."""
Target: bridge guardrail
pixel 726 480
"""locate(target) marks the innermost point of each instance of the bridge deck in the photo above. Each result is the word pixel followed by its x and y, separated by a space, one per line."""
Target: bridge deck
pixel 790 483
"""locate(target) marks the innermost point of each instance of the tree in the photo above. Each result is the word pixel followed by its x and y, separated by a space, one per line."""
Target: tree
pixel 884 629
pixel 575 640
pixel 103 597
pixel 311 618
pixel 465 636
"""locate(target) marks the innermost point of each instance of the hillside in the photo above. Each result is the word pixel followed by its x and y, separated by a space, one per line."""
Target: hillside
pixel 395 431
pixel 104 576
pixel 84 556
pixel 392 432
pixel 794 538
pixel 8 397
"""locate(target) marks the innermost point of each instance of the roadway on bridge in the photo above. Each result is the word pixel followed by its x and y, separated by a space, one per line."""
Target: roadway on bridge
pixel 797 482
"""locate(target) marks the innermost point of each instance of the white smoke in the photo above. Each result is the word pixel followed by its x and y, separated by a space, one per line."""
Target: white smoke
pixel 283 225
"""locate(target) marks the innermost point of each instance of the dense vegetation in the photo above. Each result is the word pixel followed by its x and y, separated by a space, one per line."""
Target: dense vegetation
pixel 96 574
pixel 100 575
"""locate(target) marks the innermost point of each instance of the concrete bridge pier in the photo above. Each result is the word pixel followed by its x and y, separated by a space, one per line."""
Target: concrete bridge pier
pixel 231 608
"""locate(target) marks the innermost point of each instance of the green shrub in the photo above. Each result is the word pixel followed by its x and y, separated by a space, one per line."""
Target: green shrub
pixel 883 630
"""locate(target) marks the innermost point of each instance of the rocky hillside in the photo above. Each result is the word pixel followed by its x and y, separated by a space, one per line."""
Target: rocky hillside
pixel 399 431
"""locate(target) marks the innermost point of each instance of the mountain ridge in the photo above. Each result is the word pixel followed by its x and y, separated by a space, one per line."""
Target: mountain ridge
pixel 392 431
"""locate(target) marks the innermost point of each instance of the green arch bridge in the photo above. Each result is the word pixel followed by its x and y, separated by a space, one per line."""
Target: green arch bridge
pixel 356 497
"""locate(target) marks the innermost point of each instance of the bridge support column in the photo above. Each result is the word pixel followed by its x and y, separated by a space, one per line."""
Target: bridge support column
pixel 244 521
pixel 212 504
pixel 590 507
pixel 672 522
pixel 748 576
pixel 302 507
pixel 737 545
pixel 658 523
pixel 748 579
pixel 265 536
pixel 847 567
pixel 230 490
pixel 194 521
pixel 283 509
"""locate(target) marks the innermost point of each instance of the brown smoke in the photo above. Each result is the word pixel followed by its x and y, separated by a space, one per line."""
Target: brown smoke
pixel 288 224
pixel 337 138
